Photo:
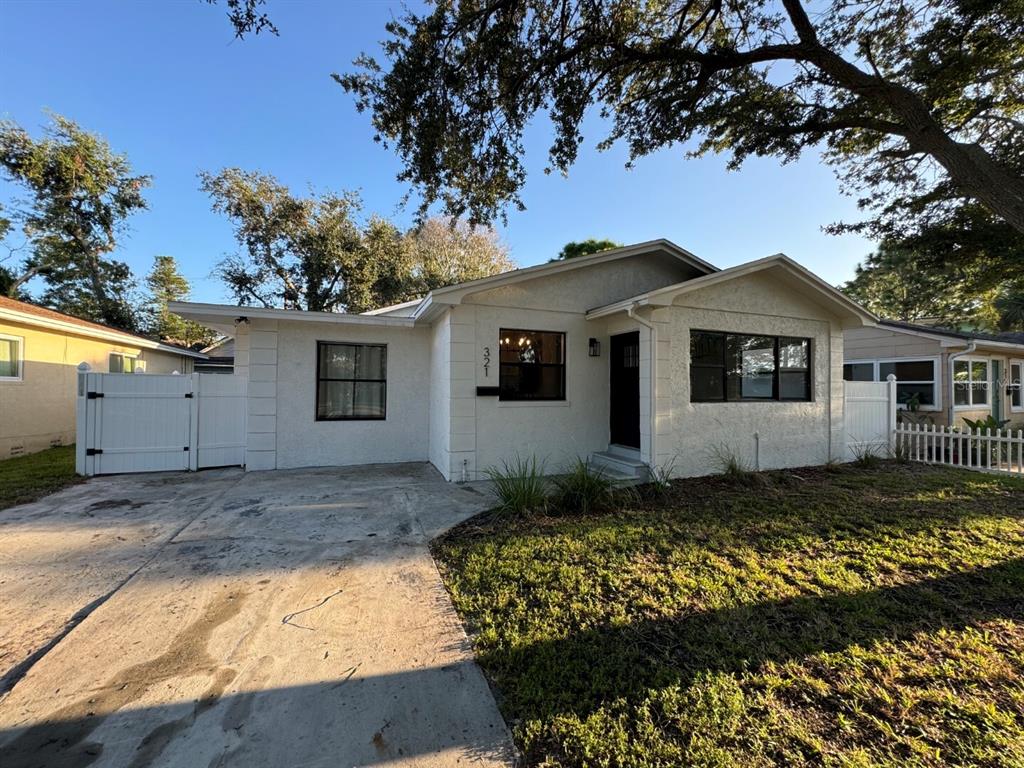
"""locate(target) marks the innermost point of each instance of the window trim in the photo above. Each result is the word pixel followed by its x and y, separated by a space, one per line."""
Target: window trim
pixel 936 367
pixel 1020 387
pixel 776 378
pixel 972 406
pixel 318 379
pixel 20 376
pixel 564 397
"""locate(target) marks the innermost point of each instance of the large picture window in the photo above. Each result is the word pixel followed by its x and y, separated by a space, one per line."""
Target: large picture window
pixel 736 366
pixel 351 381
pixel 11 356
pixel 970 383
pixel 532 365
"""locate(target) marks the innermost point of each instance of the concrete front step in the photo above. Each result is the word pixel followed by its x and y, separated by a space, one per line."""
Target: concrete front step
pixel 619 467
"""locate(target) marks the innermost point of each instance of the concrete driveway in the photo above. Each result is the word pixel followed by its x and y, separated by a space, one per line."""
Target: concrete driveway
pixel 290 618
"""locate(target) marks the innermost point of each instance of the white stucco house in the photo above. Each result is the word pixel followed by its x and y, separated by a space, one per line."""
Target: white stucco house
pixel 636 357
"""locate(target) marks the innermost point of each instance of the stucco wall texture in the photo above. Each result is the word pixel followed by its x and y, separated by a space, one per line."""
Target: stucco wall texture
pixel 38 411
pixel 435 414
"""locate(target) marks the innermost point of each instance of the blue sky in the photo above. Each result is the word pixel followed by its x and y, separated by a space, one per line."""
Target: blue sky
pixel 167 84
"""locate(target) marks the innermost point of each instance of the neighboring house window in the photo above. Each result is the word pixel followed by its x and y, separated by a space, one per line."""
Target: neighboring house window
pixel 351 382
pixel 735 367
pixel 122 363
pixel 970 383
pixel 859 372
pixel 916 378
pixel 12 356
pixel 532 365
pixel 1017 385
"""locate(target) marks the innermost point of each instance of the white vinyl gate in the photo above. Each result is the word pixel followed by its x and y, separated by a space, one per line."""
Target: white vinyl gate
pixel 156 423
pixel 869 409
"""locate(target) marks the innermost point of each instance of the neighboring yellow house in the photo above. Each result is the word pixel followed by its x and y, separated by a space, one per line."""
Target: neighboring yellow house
pixel 40 351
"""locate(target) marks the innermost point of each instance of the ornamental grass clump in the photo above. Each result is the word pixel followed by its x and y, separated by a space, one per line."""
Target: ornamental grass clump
pixel 519 485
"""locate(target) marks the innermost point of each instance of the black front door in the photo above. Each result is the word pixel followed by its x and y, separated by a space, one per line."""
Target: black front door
pixel 625 389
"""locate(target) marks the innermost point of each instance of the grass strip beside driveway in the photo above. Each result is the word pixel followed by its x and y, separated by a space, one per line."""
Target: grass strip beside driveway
pixel 27 478
pixel 806 617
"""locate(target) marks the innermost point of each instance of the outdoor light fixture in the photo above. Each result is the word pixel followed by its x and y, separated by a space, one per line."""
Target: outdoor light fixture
pixel 595 348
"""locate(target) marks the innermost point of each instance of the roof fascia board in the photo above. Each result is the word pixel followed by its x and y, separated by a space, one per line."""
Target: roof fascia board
pixel 196 311
pixel 949 340
pixel 663 297
pixel 126 339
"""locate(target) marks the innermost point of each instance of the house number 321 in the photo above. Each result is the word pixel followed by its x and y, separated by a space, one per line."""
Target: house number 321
pixel 487 361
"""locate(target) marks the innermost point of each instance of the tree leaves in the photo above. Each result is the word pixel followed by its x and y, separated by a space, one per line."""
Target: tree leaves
pixel 901 95
pixel 312 253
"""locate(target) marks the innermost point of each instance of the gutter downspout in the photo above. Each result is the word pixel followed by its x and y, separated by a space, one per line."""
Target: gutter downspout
pixel 972 346
pixel 631 312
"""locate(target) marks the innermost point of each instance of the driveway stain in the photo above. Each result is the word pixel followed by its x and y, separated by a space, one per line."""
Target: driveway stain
pixel 60 741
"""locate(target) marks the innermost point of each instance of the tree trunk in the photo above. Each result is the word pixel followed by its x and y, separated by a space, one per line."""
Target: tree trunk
pixel 969 166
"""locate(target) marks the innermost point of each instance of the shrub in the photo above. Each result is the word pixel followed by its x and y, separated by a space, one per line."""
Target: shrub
pixel 583 489
pixel 519 484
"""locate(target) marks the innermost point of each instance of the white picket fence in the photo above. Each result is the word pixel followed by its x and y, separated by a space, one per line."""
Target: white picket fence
pixel 997 450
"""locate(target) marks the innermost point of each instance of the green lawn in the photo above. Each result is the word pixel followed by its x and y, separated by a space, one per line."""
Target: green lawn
pixel 848 618
pixel 27 478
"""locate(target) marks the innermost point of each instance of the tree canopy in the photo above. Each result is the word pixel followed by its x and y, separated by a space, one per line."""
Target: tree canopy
pixel 575 248
pixel 80 196
pixel 904 97
pixel 314 253
pixel 899 283
pixel 166 283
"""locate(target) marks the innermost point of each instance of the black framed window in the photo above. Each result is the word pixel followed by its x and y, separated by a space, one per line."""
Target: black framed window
pixel 351 381
pixel 532 365
pixel 738 366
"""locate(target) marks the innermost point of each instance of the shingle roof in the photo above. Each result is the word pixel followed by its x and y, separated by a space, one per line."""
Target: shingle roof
pixel 50 314
pixel 1007 338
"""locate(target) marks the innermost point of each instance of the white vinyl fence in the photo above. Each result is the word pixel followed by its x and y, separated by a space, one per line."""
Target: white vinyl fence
pixel 871 427
pixel 869 415
pixel 998 450
pixel 156 423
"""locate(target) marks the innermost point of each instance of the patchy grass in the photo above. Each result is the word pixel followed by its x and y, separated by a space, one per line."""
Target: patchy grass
pixel 27 478
pixel 848 617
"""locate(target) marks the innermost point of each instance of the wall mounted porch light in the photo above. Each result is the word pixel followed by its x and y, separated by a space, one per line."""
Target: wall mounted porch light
pixel 595 348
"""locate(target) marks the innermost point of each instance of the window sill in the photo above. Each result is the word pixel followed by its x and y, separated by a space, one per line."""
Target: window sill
pixel 981 407
pixel 533 403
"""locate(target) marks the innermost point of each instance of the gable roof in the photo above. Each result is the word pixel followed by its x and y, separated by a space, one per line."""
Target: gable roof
pixel 1010 339
pixel 43 317
pixel 453 294
pixel 801 276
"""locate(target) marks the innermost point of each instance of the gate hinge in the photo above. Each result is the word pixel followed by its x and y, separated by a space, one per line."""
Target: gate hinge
pixel 93 451
pixel 188 395
pixel 186 448
pixel 93 395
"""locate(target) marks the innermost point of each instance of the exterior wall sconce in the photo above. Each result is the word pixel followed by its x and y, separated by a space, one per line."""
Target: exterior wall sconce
pixel 595 348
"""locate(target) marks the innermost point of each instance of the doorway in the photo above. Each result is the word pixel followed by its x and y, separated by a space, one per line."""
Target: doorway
pixel 624 408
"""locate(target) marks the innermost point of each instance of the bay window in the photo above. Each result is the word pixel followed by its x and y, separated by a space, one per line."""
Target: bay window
pixel 970 383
